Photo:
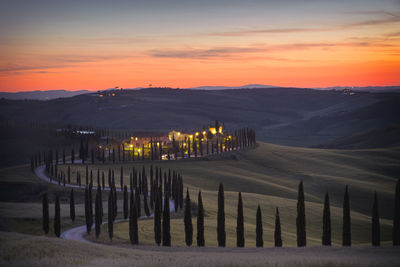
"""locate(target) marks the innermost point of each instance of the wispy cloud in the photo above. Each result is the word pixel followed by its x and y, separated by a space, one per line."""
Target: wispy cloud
pixel 267 50
pixel 389 19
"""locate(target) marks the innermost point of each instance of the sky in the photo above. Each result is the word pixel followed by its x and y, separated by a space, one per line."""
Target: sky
pixel 94 45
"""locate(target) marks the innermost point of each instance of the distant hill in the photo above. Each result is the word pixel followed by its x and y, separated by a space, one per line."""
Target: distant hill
pixel 378 138
pixel 287 116
pixel 42 95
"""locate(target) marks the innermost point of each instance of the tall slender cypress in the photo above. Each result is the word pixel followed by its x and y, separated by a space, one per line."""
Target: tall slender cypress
pixel 277 232
pixel 139 212
pixel 45 204
pixel 240 223
pixel 396 217
pixel 166 223
pixel 200 222
pixel 97 214
pixel 346 235
pixel 157 220
pixel 133 224
pixel 326 223
pixel 301 218
pixel 221 217
pixel 188 220
pixel 87 211
pixel 376 233
pixel 110 215
pixel 57 218
pixel 125 202
pixel 72 206
pixel 259 228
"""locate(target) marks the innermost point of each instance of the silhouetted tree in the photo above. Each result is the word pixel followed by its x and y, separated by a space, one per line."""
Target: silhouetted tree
pixel 376 233
pixel 221 217
pixel 157 220
pixel 87 211
pixel 346 236
pixel 110 215
pixel 45 204
pixel 97 214
pixel 125 202
pixel 277 232
pixel 166 223
pixel 139 212
pixel 301 218
pixel 396 217
pixel 188 220
pixel 72 156
pixel 240 223
pixel 200 222
pixel 133 224
pixel 326 223
pixel 259 228
pixel 57 218
pixel 146 205
pixel 72 206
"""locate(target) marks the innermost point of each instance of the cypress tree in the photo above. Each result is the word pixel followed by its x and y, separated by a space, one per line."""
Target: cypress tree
pixel 125 202
pixel 138 206
pixel 166 223
pixel 200 222
pixel 110 215
pixel 396 217
pixel 376 233
pixel 277 232
pixel 240 223
pixel 326 223
pixel 221 217
pixel 122 178
pixel 157 220
pixel 72 206
pixel 87 211
pixel 45 204
pixel 346 236
pixel 90 205
pixel 146 205
pixel 259 228
pixel 115 201
pixel 301 218
pixel 188 220
pixel 133 224
pixel 97 214
pixel 57 218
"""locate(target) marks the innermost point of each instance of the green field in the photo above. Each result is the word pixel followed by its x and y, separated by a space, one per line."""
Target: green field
pixel 269 175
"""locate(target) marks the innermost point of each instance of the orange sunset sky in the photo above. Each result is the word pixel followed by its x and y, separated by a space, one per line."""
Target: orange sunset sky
pixel 94 45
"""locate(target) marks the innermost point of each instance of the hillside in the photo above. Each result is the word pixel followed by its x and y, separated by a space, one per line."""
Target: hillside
pixel 381 137
pixel 288 116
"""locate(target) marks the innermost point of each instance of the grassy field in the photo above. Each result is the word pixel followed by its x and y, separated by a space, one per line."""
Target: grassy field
pixel 26 250
pixel 269 175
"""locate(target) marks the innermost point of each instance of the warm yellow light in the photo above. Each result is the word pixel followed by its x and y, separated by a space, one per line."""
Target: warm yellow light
pixel 158 143
pixel 230 136
pixel 220 129
pixel 113 94
pixel 191 136
pixel 136 138
pixel 197 133
pixel 204 132
pixel 100 95
pixel 213 131
pixel 179 133
pixel 139 150
pixel 131 145
pixel 131 137
pixel 100 146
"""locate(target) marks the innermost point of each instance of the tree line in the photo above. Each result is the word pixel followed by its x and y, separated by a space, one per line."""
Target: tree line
pixel 161 216
pixel 92 152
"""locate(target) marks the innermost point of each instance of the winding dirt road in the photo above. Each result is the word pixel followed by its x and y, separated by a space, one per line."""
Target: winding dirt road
pixel 77 233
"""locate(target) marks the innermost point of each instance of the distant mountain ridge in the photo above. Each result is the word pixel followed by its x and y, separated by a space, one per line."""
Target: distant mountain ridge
pixel 42 95
pixel 52 94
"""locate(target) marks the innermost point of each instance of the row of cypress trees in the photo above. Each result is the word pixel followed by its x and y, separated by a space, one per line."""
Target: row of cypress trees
pixel 162 227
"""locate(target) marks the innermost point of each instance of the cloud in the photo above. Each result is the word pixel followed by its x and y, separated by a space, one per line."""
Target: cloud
pixel 264 49
pixel 390 18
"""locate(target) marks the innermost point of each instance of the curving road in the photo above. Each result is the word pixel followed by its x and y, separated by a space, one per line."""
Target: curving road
pixel 77 233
